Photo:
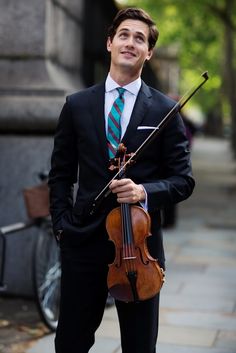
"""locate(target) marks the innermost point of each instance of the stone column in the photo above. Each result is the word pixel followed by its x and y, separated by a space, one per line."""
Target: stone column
pixel 40 59
pixel 40 62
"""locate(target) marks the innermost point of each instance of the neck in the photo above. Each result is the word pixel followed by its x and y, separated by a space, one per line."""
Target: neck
pixel 123 78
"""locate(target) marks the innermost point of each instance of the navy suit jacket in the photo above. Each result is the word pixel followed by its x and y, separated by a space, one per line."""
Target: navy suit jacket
pixel 80 155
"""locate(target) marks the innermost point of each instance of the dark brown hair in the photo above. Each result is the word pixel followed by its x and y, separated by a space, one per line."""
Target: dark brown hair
pixel 135 14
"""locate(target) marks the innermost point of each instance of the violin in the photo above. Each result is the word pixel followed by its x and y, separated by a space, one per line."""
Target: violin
pixel 134 275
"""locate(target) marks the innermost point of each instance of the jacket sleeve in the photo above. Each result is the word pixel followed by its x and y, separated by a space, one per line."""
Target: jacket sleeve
pixel 176 182
pixel 64 167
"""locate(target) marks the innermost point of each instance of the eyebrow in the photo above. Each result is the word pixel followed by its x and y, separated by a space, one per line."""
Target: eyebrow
pixel 128 30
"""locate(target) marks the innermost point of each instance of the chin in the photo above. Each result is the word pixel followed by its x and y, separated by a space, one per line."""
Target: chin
pixel 127 66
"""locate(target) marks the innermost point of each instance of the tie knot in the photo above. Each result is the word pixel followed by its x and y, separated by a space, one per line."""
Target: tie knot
pixel 121 91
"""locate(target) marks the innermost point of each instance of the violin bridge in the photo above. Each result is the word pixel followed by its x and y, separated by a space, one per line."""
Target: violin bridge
pixel 130 258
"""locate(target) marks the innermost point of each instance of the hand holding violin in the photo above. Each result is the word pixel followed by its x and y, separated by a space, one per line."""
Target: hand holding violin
pixel 127 191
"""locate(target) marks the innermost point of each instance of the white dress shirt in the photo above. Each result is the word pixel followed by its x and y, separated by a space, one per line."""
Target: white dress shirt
pixel 130 95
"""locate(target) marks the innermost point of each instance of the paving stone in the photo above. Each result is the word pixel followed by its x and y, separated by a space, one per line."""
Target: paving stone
pixel 205 320
pixel 223 244
pixel 214 290
pixel 197 303
pixel 229 283
pixel 205 250
pixel 108 328
pixel 216 234
pixel 226 339
pixel 45 345
pixel 203 278
pixel 188 336
pixel 109 346
pixel 226 272
pixel 174 269
pixel 230 261
pixel 168 348
pixel 171 287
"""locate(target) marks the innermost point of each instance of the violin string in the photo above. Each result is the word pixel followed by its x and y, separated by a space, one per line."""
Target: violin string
pixel 128 219
pixel 126 225
pixel 128 243
pixel 127 237
pixel 127 240
pixel 131 240
pixel 123 234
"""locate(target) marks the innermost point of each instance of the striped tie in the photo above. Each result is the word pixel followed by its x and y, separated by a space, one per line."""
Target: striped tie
pixel 114 125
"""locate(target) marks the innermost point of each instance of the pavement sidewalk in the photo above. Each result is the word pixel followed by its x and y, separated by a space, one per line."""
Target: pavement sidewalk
pixel 198 301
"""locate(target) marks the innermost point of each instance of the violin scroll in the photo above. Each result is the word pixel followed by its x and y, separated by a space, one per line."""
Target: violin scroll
pixel 121 157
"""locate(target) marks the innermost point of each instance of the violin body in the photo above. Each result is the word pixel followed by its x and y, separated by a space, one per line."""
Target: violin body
pixel 134 275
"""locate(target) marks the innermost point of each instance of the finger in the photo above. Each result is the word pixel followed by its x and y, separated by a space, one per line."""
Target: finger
pixel 126 200
pixel 123 182
pixel 113 184
pixel 131 195
pixel 119 188
pixel 127 197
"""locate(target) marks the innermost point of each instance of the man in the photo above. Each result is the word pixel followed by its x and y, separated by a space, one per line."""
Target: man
pixel 84 140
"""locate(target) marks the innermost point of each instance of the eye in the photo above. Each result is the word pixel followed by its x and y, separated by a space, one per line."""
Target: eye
pixel 140 39
pixel 123 35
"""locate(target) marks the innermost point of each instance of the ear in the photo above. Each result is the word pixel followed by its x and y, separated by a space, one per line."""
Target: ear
pixel 109 44
pixel 150 52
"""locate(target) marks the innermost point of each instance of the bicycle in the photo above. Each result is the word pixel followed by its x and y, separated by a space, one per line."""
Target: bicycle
pixel 46 266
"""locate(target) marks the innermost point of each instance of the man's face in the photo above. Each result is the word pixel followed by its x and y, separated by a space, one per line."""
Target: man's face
pixel 129 47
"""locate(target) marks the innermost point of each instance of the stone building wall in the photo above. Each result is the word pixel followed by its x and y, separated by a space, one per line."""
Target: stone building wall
pixel 40 62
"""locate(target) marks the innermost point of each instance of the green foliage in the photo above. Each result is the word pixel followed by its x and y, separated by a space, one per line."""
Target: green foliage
pixel 197 28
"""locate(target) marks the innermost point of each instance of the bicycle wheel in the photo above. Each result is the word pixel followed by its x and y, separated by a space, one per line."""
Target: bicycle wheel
pixel 47 275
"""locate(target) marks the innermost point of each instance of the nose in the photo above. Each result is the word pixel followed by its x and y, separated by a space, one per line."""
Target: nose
pixel 130 41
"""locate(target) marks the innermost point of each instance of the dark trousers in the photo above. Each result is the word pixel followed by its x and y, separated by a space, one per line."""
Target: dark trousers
pixel 83 299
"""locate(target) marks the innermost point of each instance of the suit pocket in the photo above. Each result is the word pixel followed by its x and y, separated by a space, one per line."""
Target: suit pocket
pixel 68 223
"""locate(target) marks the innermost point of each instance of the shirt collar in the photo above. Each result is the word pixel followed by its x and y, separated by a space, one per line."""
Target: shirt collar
pixel 133 87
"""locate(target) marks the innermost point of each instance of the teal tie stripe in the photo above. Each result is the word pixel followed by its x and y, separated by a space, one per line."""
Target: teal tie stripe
pixel 114 125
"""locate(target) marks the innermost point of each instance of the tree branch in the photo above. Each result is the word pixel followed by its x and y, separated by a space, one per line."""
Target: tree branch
pixel 223 15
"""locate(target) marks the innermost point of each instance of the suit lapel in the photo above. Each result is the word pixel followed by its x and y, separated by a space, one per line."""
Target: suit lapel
pixel 97 108
pixel 141 107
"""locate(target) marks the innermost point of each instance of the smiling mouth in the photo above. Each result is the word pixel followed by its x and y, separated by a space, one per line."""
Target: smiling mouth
pixel 128 53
